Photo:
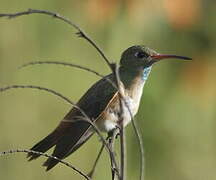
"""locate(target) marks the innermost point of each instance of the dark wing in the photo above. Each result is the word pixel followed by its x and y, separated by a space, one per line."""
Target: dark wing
pixel 71 134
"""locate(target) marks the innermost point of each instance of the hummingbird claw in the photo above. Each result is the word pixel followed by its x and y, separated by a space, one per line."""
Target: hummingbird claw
pixel 117 135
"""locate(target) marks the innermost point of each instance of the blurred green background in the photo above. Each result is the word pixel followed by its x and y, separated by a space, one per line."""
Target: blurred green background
pixel 178 109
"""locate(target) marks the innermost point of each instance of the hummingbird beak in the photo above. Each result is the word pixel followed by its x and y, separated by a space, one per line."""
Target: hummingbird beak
pixel 159 57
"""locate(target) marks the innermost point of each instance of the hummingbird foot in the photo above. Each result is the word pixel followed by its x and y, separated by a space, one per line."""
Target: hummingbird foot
pixel 113 134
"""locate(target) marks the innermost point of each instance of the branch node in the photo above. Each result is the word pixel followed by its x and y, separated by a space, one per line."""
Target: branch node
pixel 80 34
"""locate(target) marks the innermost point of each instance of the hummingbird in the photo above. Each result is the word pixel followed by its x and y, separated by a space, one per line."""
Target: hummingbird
pixel 101 103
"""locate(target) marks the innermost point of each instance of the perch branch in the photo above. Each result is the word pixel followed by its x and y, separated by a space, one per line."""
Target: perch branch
pixel 92 171
pixel 69 65
pixel 87 119
pixel 61 63
pixel 64 98
pixel 122 102
pixel 46 155
pixel 82 34
pixel 135 127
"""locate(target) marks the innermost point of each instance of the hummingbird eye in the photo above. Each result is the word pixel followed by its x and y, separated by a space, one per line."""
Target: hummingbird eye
pixel 141 54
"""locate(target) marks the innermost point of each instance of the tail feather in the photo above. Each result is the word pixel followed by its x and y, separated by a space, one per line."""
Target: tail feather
pixel 66 138
pixel 44 145
pixel 64 149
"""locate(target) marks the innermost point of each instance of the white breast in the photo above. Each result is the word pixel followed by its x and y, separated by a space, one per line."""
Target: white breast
pixel 110 119
pixel 133 102
pixel 133 94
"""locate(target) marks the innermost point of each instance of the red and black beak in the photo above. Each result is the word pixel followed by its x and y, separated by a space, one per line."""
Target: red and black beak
pixel 159 57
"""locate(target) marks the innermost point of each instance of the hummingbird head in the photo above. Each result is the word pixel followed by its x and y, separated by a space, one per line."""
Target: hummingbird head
pixel 142 56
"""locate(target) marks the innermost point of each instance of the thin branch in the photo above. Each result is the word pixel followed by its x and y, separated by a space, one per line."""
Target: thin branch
pixel 141 149
pixel 140 141
pixel 111 139
pixel 135 127
pixel 123 158
pixel 85 118
pixel 43 89
pixel 122 102
pixel 69 65
pixel 92 123
pixel 61 63
pixel 108 147
pixel 80 32
pixel 91 173
pixel 46 155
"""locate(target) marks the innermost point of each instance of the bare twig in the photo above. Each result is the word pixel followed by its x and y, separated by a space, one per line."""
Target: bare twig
pixel 61 63
pixel 80 32
pixel 111 139
pixel 91 173
pixel 108 147
pixel 85 118
pixel 136 130
pixel 114 166
pixel 69 65
pixel 141 149
pixel 46 155
pixel 122 102
pixel 123 158
pixel 135 127
pixel 140 142
pixel 92 123
pixel 43 89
